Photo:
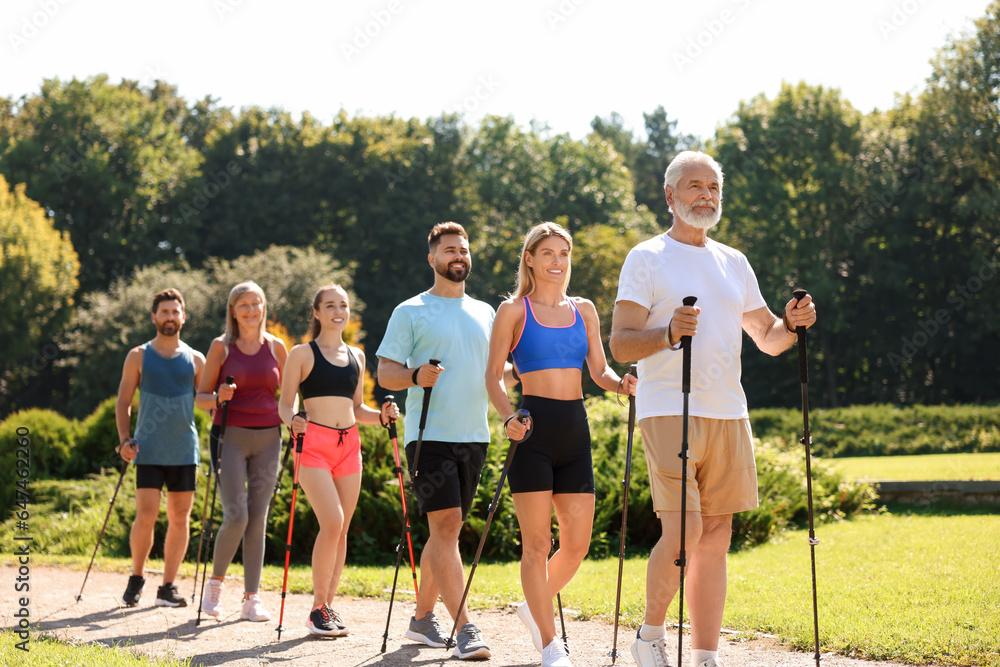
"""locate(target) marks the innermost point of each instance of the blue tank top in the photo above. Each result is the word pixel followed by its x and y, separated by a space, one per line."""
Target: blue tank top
pixel 165 427
pixel 540 347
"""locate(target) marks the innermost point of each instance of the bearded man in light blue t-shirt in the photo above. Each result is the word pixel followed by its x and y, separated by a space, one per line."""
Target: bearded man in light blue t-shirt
pixel 443 323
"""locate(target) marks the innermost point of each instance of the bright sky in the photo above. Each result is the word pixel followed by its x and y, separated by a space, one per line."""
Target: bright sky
pixel 560 62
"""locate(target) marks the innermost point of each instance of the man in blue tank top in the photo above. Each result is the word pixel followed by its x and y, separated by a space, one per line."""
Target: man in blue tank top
pixel 443 323
pixel 165 444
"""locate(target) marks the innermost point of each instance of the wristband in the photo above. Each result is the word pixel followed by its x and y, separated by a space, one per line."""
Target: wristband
pixel 415 371
pixel 666 339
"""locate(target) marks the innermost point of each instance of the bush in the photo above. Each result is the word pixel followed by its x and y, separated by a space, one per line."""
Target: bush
pixel 884 430
pixel 51 436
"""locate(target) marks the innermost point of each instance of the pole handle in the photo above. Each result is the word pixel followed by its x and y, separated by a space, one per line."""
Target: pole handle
pixel 299 438
pixel 686 351
pixel 800 331
pixel 427 398
pixel 392 422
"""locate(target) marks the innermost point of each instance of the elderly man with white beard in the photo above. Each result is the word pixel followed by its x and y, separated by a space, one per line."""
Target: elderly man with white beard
pixel 648 324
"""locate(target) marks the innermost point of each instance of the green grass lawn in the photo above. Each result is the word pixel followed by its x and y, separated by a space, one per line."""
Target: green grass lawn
pixel 47 652
pixel 924 467
pixel 915 587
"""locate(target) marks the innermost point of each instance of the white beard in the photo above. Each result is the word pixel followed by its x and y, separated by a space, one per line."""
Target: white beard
pixel 699 220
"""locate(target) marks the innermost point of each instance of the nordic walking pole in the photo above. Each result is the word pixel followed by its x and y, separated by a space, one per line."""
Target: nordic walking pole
pixel 281 471
pixel 100 536
pixel 634 370
pixel 562 620
pixel 406 528
pixel 201 533
pixel 423 423
pixel 522 416
pixel 681 562
pixel 297 461
pixel 800 331
pixel 211 517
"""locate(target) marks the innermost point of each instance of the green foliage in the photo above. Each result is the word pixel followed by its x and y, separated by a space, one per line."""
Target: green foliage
pixel 885 430
pixel 110 323
pixel 113 162
pixel 38 278
pixel 51 438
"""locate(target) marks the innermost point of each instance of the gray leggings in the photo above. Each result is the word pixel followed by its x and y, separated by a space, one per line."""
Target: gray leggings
pixel 249 468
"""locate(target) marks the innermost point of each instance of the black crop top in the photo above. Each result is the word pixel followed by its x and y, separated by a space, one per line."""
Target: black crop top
pixel 325 379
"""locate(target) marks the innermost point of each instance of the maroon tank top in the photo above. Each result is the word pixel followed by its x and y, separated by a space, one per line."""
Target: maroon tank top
pixel 257 378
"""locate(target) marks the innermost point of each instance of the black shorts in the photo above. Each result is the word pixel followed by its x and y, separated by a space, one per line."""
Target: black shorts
pixel 557 456
pixel 177 478
pixel 448 474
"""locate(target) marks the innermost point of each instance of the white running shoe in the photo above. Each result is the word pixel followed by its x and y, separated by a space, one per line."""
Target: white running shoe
pixel 212 604
pixel 554 655
pixel 650 654
pixel 711 662
pixel 253 609
pixel 524 614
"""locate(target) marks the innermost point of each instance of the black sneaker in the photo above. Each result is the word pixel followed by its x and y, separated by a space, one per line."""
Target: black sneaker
pixel 133 591
pixel 166 596
pixel 321 622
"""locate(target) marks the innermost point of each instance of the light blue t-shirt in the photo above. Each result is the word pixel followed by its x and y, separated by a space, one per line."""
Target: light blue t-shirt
pixel 456 331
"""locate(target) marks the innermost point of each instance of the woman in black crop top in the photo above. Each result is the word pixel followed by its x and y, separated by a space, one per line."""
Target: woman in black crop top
pixel 329 373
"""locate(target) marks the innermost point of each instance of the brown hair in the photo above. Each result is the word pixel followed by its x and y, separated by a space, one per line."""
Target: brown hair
pixel 315 326
pixel 442 228
pixel 525 274
pixel 170 294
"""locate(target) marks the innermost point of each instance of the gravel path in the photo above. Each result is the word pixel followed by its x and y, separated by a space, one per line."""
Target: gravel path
pixel 229 641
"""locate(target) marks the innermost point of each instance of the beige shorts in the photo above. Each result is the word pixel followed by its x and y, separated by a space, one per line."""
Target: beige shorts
pixel 721 472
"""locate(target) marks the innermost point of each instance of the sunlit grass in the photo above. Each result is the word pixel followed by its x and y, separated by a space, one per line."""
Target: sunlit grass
pixel 924 467
pixel 44 651
pixel 909 587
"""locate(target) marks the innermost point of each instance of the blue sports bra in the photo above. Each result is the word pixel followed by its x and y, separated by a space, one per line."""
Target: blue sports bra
pixel 540 347
pixel 325 379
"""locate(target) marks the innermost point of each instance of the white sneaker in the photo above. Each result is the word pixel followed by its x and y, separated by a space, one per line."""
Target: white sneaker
pixel 711 662
pixel 554 655
pixel 253 609
pixel 650 654
pixel 212 604
pixel 524 614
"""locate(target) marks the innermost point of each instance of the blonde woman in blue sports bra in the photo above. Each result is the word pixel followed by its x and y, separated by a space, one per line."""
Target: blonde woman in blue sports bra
pixel 549 335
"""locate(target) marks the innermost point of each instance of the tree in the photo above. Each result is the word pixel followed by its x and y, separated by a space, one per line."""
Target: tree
pixel 38 278
pixel 790 191
pixel 108 165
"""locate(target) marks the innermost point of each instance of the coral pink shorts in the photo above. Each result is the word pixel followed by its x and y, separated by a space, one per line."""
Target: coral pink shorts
pixel 334 449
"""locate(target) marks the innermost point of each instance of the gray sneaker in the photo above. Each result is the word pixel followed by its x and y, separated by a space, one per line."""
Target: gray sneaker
pixel 427 630
pixel 470 644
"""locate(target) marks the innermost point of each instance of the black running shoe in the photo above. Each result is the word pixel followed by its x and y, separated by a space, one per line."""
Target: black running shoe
pixel 133 591
pixel 166 596
pixel 321 622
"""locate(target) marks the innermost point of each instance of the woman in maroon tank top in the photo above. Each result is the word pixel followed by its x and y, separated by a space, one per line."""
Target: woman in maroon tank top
pixel 330 465
pixel 249 453
pixel 552 468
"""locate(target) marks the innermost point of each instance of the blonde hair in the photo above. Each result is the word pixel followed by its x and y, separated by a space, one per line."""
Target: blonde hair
pixel 232 326
pixel 525 274
pixel 314 325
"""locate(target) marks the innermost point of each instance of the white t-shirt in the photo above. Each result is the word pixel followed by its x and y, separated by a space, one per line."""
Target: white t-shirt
pixel 657 275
